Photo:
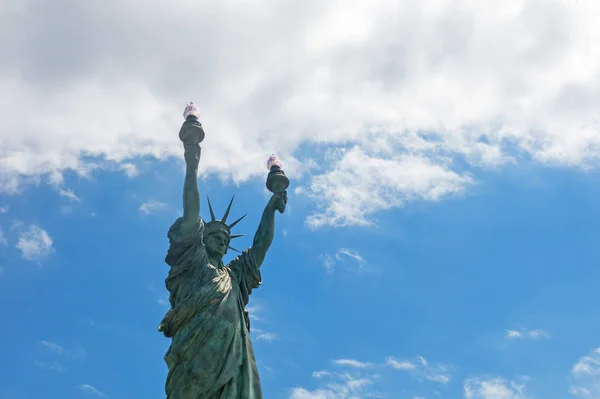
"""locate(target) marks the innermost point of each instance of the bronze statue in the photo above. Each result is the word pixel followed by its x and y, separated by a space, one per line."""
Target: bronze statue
pixel 211 356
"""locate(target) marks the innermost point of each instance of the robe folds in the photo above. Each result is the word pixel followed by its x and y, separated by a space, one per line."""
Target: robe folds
pixel 210 356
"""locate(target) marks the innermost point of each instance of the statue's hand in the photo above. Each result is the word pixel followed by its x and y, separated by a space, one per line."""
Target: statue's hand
pixel 279 201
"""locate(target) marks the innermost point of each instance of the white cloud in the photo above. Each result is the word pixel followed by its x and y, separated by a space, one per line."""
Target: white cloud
pixel 352 363
pixel 34 243
pixel 585 376
pixel 421 369
pixel 401 364
pixel 339 386
pixel 89 389
pixel 3 209
pixel 301 393
pixel 254 310
pixel 359 184
pixel 129 169
pixel 59 350
pixel 261 335
pixel 66 210
pixel 493 388
pixel 152 207
pixel 321 374
pixel 3 239
pixel 69 194
pixel 162 297
pixel 398 88
pixel 54 347
pixel 164 300
pixel 50 366
pixel 329 262
pixel 351 254
pixel 353 379
pixel 526 334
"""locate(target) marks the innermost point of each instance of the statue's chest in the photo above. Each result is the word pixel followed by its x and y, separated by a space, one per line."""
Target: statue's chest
pixel 222 279
pixel 227 295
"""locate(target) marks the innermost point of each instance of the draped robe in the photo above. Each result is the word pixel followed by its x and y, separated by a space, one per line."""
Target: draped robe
pixel 210 356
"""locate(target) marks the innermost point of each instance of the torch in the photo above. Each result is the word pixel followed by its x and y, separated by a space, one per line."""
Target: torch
pixel 277 181
pixel 191 131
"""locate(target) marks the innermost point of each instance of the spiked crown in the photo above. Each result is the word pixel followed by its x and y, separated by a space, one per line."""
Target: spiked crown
pixel 221 225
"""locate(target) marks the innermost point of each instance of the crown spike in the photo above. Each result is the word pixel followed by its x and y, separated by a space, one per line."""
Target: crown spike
pixel 227 211
pixel 236 222
pixel 212 214
pixel 236 236
pixel 233 249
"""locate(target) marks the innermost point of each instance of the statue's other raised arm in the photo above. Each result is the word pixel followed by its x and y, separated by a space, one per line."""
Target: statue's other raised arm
pixel 191 134
pixel 266 229
pixel 191 193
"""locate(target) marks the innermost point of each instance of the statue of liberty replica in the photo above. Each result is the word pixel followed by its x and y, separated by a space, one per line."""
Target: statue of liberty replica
pixel 211 356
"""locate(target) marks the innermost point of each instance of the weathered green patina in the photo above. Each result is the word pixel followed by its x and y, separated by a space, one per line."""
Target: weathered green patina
pixel 211 356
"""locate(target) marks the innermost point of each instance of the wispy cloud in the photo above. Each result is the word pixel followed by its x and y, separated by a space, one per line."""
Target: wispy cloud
pixel 352 363
pixel 50 366
pixel 328 263
pixel 254 312
pixel 420 368
pixel 493 388
pixel 34 243
pixel 91 390
pixel 164 300
pixel 343 255
pixel 3 239
pixel 59 350
pixel 345 252
pixel 344 385
pixel 69 194
pixel 526 334
pixel 73 353
pixel 107 326
pixel 261 335
pixel 3 209
pixel 162 297
pixel 584 380
pixel 321 374
pixel 359 379
pixel 152 207
pixel 66 210
pixel 401 364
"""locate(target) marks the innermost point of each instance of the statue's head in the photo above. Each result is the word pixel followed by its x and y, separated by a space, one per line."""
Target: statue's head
pixel 217 234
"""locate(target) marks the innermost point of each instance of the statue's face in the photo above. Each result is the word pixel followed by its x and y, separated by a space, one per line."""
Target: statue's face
pixel 216 243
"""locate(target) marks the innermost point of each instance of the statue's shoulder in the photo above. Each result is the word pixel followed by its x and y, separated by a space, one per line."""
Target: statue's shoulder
pixel 245 257
pixel 177 223
pixel 176 234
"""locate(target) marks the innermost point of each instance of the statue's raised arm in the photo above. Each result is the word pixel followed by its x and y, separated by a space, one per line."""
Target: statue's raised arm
pixel 277 183
pixel 191 134
pixel 266 229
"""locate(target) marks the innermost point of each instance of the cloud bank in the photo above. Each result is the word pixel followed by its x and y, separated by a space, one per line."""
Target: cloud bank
pixel 372 103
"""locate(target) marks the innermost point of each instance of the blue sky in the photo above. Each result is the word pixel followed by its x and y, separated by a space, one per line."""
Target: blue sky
pixel 440 239
pixel 496 284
